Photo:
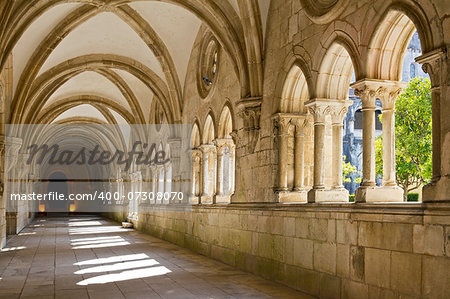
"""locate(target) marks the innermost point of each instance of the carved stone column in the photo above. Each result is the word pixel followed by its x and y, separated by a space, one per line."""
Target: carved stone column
pixel 388 98
pixel 437 64
pixel 223 196
pixel 208 177
pixel 195 176
pixel 319 109
pixel 299 152
pixel 282 124
pixel 369 90
pixel 338 112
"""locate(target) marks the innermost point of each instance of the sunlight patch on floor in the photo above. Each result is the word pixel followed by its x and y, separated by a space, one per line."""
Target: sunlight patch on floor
pixel 113 259
pixel 125 275
pixel 119 266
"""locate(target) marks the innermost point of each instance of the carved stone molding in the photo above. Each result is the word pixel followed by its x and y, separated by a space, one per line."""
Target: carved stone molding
pixel 320 108
pixel 371 89
pixel 433 64
pixel 250 111
pixel 222 143
pixel 281 124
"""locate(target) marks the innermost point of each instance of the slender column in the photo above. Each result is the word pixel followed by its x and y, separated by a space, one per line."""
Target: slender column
pixel 232 168
pixel 282 125
pixel 205 168
pixel 368 97
pixel 388 100
pixel 318 110
pixel 387 91
pixel 219 175
pixel 208 177
pixel 222 194
pixel 196 156
pixel 299 153
pixel 338 112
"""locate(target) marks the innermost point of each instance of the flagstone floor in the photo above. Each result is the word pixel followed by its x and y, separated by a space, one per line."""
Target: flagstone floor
pixel 91 257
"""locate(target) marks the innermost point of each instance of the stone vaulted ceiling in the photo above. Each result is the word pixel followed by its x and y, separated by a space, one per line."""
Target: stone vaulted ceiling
pixel 96 59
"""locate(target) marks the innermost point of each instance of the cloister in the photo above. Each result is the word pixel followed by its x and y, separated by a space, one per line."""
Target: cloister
pixel 247 99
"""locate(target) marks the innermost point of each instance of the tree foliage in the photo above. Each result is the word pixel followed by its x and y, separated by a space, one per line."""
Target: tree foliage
pixel 413 141
pixel 347 170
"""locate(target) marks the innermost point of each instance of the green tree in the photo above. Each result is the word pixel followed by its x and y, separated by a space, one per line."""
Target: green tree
pixel 413 145
pixel 347 170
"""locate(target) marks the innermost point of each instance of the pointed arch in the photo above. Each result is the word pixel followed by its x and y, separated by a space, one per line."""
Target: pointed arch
pixel 226 122
pixel 209 132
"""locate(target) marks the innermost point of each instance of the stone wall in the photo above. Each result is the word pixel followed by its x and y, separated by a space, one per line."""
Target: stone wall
pixel 332 251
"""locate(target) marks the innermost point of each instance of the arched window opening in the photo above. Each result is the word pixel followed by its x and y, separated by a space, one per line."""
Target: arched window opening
pixel 392 54
pixel 294 138
pixel 328 111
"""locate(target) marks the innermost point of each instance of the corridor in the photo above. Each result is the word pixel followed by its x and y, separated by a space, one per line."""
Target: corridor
pixel 91 257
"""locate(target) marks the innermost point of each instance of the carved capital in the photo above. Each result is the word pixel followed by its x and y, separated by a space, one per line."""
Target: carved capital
pixel 300 122
pixel 338 110
pixel 208 148
pixel 221 144
pixel 433 64
pixel 318 111
pixel 281 124
pixel 250 111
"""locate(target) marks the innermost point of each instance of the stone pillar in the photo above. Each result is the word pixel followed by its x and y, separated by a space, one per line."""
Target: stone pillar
pixel 232 169
pixel 299 153
pixel 195 178
pixel 388 98
pixel 437 64
pixel 337 109
pixel 219 175
pixel 338 112
pixel 282 124
pixel 369 90
pixel 223 196
pixel 318 108
pixel 208 177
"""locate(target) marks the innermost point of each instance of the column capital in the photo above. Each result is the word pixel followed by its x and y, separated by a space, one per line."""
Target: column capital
pixel 432 65
pixel 250 110
pixel 300 121
pixel 371 89
pixel 338 110
pixel 318 108
pixel 207 148
pixel 282 123
pixel 223 142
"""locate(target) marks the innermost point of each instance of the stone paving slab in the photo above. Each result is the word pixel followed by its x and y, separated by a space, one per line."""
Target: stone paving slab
pixel 91 257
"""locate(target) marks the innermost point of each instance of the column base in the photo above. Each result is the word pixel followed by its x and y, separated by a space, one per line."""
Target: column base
pixel 379 194
pixel 437 191
pixel 194 200
pixel 327 195
pixel 298 196
pixel 206 199
pixel 222 199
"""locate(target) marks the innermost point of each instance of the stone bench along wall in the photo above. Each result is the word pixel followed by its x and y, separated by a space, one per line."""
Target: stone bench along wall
pixel 332 251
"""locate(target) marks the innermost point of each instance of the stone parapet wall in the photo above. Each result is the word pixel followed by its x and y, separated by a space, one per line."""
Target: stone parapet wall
pixel 333 251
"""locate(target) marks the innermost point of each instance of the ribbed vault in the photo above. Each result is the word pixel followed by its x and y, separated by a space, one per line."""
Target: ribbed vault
pixel 142 47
